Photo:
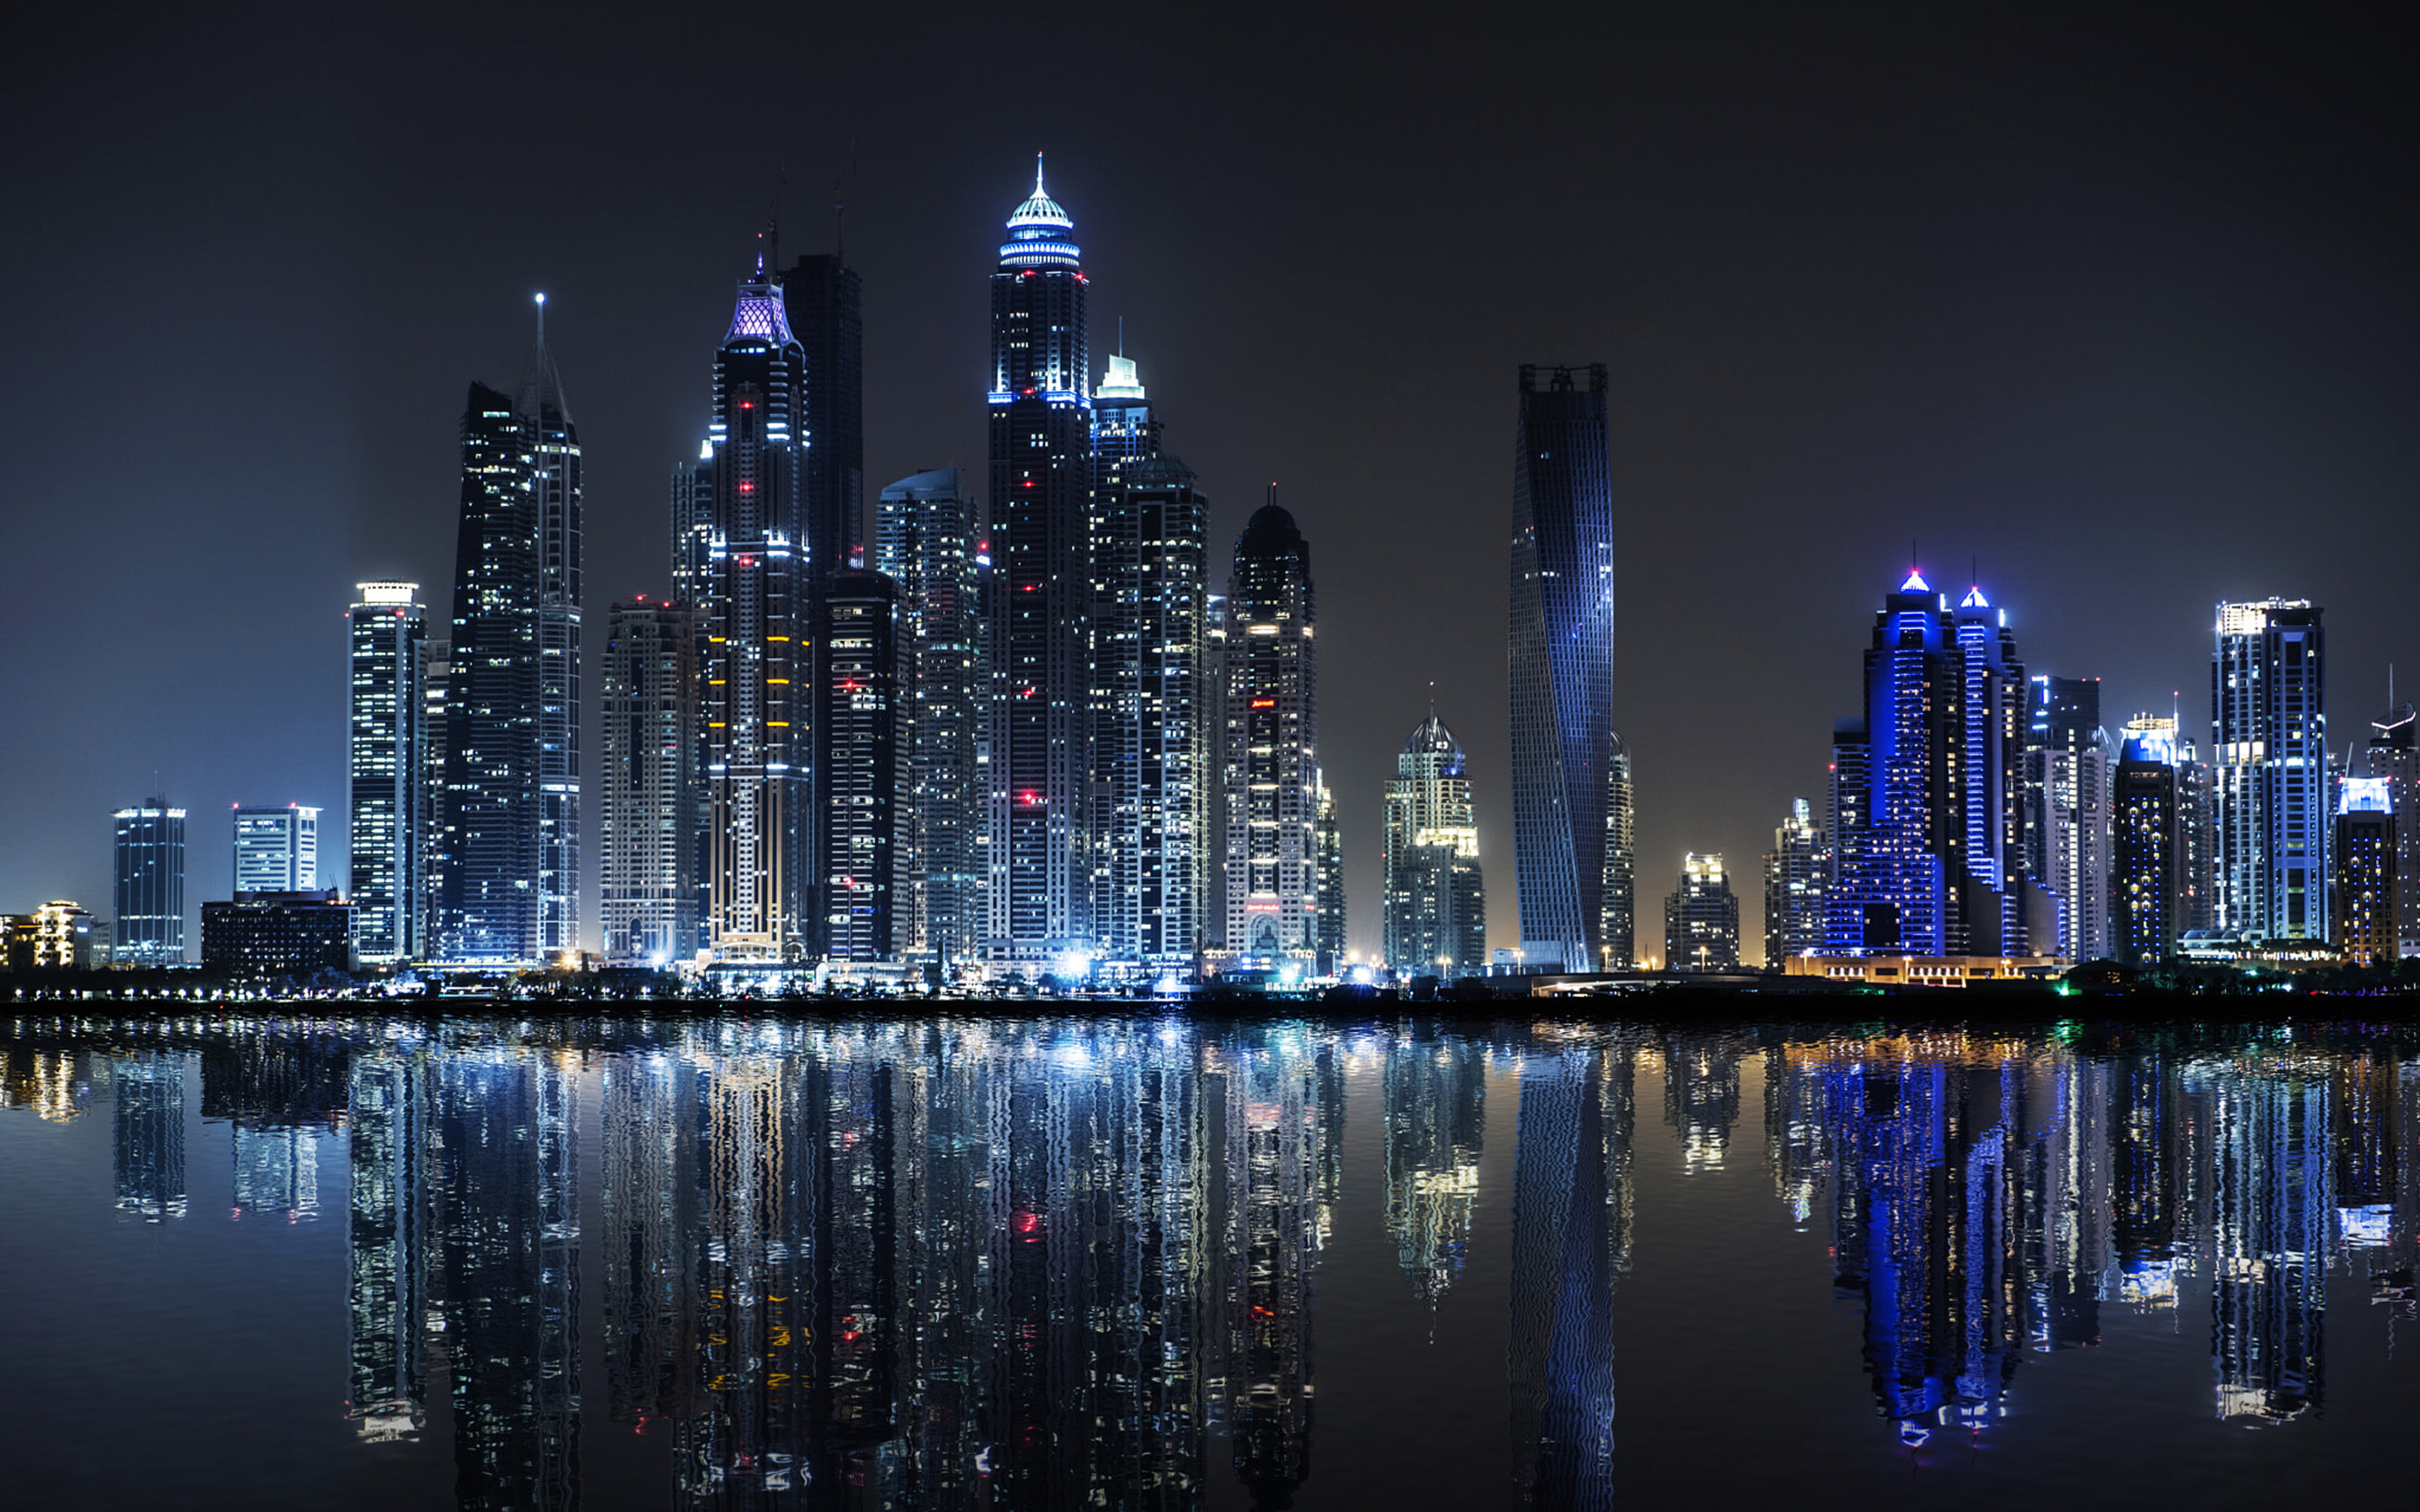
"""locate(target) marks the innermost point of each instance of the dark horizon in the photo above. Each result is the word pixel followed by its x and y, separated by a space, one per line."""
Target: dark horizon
pixel 2120 313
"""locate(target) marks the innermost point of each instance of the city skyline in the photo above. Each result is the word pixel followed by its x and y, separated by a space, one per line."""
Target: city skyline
pixel 1990 380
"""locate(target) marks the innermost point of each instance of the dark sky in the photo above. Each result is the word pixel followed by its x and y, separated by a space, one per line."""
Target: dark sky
pixel 2122 306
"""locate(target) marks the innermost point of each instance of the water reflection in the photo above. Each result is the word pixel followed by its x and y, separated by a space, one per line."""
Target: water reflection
pixel 1014 1264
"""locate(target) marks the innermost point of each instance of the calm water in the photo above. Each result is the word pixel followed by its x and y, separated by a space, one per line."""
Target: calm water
pixel 1041 1263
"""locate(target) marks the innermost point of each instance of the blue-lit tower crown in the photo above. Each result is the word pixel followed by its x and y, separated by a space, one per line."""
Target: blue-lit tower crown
pixel 1041 737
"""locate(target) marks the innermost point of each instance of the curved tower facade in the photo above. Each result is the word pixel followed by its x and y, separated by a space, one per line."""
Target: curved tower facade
pixel 1561 662
pixel 748 560
pixel 1041 746
pixel 1272 744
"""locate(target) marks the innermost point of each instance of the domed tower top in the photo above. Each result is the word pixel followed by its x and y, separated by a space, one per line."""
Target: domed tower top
pixel 1040 234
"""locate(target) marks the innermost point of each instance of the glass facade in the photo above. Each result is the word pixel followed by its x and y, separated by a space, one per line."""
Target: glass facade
pixel 1040 740
pixel 1436 895
pixel 652 811
pixel 1562 661
pixel 1927 812
pixel 1618 907
pixel 857 713
pixel 2147 848
pixel 1795 872
pixel 2269 754
pixel 385 798
pixel 489 840
pixel 149 895
pixel 1272 744
pixel 1702 918
pixel 2394 755
pixel 925 539
pixel 739 548
pixel 556 492
pixel 277 849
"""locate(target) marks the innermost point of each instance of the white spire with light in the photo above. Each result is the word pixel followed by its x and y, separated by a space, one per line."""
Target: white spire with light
pixel 1038 231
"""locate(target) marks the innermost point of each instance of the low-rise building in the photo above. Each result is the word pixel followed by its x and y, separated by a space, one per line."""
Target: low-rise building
pixel 270 935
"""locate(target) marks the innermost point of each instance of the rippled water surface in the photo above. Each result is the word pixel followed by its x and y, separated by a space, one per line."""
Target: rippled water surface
pixel 1136 1262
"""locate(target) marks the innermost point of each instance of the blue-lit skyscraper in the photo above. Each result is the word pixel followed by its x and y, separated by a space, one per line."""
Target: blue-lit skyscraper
pixel 1926 787
pixel 1561 662
pixel 1041 743
pixel 488 804
pixel 2146 868
pixel 740 556
pixel 386 806
pixel 2269 759
pixel 150 883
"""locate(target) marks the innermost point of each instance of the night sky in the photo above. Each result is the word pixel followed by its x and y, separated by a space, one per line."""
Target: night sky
pixel 2122 309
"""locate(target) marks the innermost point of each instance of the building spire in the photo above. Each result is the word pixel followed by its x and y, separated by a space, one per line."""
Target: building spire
pixel 1037 173
pixel 541 396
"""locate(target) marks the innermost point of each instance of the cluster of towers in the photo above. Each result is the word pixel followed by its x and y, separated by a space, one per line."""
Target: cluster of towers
pixel 1028 737
pixel 1978 811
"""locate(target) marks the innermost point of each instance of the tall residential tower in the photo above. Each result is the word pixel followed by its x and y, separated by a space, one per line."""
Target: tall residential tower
pixel 2268 755
pixel 1562 661
pixel 1272 742
pixel 385 807
pixel 1040 739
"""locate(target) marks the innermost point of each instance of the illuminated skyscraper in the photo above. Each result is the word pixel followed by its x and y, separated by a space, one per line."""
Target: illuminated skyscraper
pixel 1618 906
pixel 2067 774
pixel 1435 898
pixel 489 813
pixel 2147 847
pixel 1561 662
pixel 555 488
pixel 653 815
pixel 856 715
pixel 740 556
pixel 2366 877
pixel 821 299
pixel 2394 755
pixel 277 849
pixel 388 800
pixel 1330 933
pixel 1272 742
pixel 926 537
pixel 1702 919
pixel 1041 735
pixel 150 883
pixel 1793 888
pixel 2269 733
pixel 1927 815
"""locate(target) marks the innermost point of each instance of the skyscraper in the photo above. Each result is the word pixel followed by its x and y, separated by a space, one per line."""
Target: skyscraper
pixel 555 488
pixel 1702 918
pixel 2067 809
pixel 1272 740
pixel 488 902
pixel 1562 661
pixel 384 802
pixel 1041 743
pixel 739 534
pixel 653 815
pixel 1927 815
pixel 2392 754
pixel 856 832
pixel 151 890
pixel 821 296
pixel 1152 746
pixel 2147 865
pixel 277 849
pixel 2366 877
pixel 1329 936
pixel 1618 907
pixel 924 539
pixel 1793 888
pixel 1435 897
pixel 2269 734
